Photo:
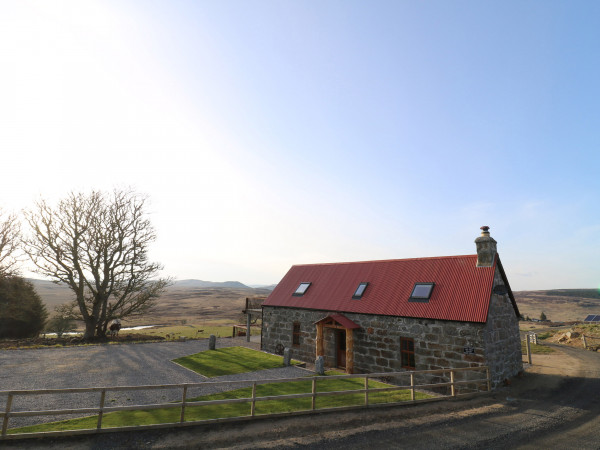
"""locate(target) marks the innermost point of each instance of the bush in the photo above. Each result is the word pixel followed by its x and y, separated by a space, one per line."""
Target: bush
pixel 22 313
pixel 61 325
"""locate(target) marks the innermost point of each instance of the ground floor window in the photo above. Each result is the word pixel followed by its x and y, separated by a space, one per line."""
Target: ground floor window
pixel 407 353
pixel 296 334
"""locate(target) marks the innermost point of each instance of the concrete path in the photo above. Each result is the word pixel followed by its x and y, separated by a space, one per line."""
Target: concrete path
pixel 110 365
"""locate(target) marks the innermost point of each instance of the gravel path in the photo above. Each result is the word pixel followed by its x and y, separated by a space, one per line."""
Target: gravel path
pixel 111 365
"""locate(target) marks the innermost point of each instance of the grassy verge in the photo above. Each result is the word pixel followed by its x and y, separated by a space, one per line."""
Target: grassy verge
pixel 188 331
pixel 229 361
pixel 206 412
pixel 536 349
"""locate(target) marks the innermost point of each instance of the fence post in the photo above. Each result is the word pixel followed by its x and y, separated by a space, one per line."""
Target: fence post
pixel 183 400
pixel 253 406
pixel 412 386
pixel 101 410
pixel 314 392
pixel 6 414
pixel 528 349
pixel 489 380
pixel 584 341
pixel 248 322
pixel 452 389
pixel 366 391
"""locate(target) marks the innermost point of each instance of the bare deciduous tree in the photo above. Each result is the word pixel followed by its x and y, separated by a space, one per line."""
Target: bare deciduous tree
pixel 10 238
pixel 97 244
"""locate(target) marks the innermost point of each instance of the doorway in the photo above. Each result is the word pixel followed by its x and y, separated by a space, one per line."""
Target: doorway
pixel 341 348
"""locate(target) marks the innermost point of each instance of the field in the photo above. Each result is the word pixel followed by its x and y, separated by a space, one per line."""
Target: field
pixel 181 304
pixel 559 305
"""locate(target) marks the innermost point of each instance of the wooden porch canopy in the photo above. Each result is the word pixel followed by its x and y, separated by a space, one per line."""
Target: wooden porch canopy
pixel 341 322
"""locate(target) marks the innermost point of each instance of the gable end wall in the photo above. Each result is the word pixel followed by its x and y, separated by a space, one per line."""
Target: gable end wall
pixel 502 337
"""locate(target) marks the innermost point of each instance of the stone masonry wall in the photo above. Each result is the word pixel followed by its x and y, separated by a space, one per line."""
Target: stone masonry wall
pixel 438 344
pixel 502 339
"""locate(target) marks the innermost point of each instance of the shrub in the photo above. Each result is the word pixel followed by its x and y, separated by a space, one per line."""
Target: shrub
pixel 60 325
pixel 22 313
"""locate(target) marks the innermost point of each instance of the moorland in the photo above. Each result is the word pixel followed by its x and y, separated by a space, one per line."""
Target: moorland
pixel 188 301
pixel 559 305
pixel 198 302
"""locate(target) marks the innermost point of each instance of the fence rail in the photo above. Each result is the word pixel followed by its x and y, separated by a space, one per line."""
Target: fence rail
pixel 184 403
pixel 590 342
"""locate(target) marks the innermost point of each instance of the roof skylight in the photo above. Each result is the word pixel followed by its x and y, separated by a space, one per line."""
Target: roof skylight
pixel 301 289
pixel 421 292
pixel 360 290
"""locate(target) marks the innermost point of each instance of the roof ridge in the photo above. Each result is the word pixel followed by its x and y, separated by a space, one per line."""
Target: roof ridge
pixel 385 260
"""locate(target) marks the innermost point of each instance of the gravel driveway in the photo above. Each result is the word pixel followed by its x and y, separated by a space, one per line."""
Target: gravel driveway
pixel 110 365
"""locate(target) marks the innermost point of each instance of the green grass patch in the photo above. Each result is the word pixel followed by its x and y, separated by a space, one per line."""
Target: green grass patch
pixel 229 361
pixel 207 412
pixel 536 349
pixel 591 330
pixel 188 331
pixel 581 293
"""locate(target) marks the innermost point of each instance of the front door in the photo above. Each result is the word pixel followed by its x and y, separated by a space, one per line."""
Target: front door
pixel 341 349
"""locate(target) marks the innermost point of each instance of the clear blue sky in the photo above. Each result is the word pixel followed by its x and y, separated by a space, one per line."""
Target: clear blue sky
pixel 271 133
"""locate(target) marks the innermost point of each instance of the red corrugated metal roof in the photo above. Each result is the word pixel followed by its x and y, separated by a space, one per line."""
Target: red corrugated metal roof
pixel 462 291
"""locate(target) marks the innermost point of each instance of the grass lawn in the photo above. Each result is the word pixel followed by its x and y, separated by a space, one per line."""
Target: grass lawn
pixel 229 361
pixel 206 412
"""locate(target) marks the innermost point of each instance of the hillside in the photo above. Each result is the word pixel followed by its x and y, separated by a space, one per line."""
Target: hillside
pixel 189 300
pixel 209 284
pixel 559 305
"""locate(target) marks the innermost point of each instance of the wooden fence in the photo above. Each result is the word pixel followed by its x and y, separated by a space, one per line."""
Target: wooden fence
pixel 590 342
pixel 102 409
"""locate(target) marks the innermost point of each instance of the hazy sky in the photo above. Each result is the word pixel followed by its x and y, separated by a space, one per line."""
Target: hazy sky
pixel 272 133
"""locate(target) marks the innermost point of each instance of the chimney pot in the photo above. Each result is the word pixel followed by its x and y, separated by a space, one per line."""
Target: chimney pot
pixel 486 248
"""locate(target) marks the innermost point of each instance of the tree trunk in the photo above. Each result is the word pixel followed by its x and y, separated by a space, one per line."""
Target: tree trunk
pixel 90 328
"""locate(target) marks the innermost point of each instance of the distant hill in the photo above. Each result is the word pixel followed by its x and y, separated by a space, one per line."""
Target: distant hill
pixel 52 294
pixel 190 300
pixel 270 287
pixel 581 293
pixel 559 305
pixel 194 284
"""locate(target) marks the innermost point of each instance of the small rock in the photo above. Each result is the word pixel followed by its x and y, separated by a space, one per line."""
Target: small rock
pixel 320 365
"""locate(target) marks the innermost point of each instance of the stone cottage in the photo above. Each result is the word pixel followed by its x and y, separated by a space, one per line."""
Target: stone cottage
pixel 396 315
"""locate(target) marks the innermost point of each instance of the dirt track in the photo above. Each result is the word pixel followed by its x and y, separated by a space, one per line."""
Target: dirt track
pixel 555 405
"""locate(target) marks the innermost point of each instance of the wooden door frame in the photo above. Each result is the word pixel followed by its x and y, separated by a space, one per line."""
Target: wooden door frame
pixel 340 337
pixel 331 323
